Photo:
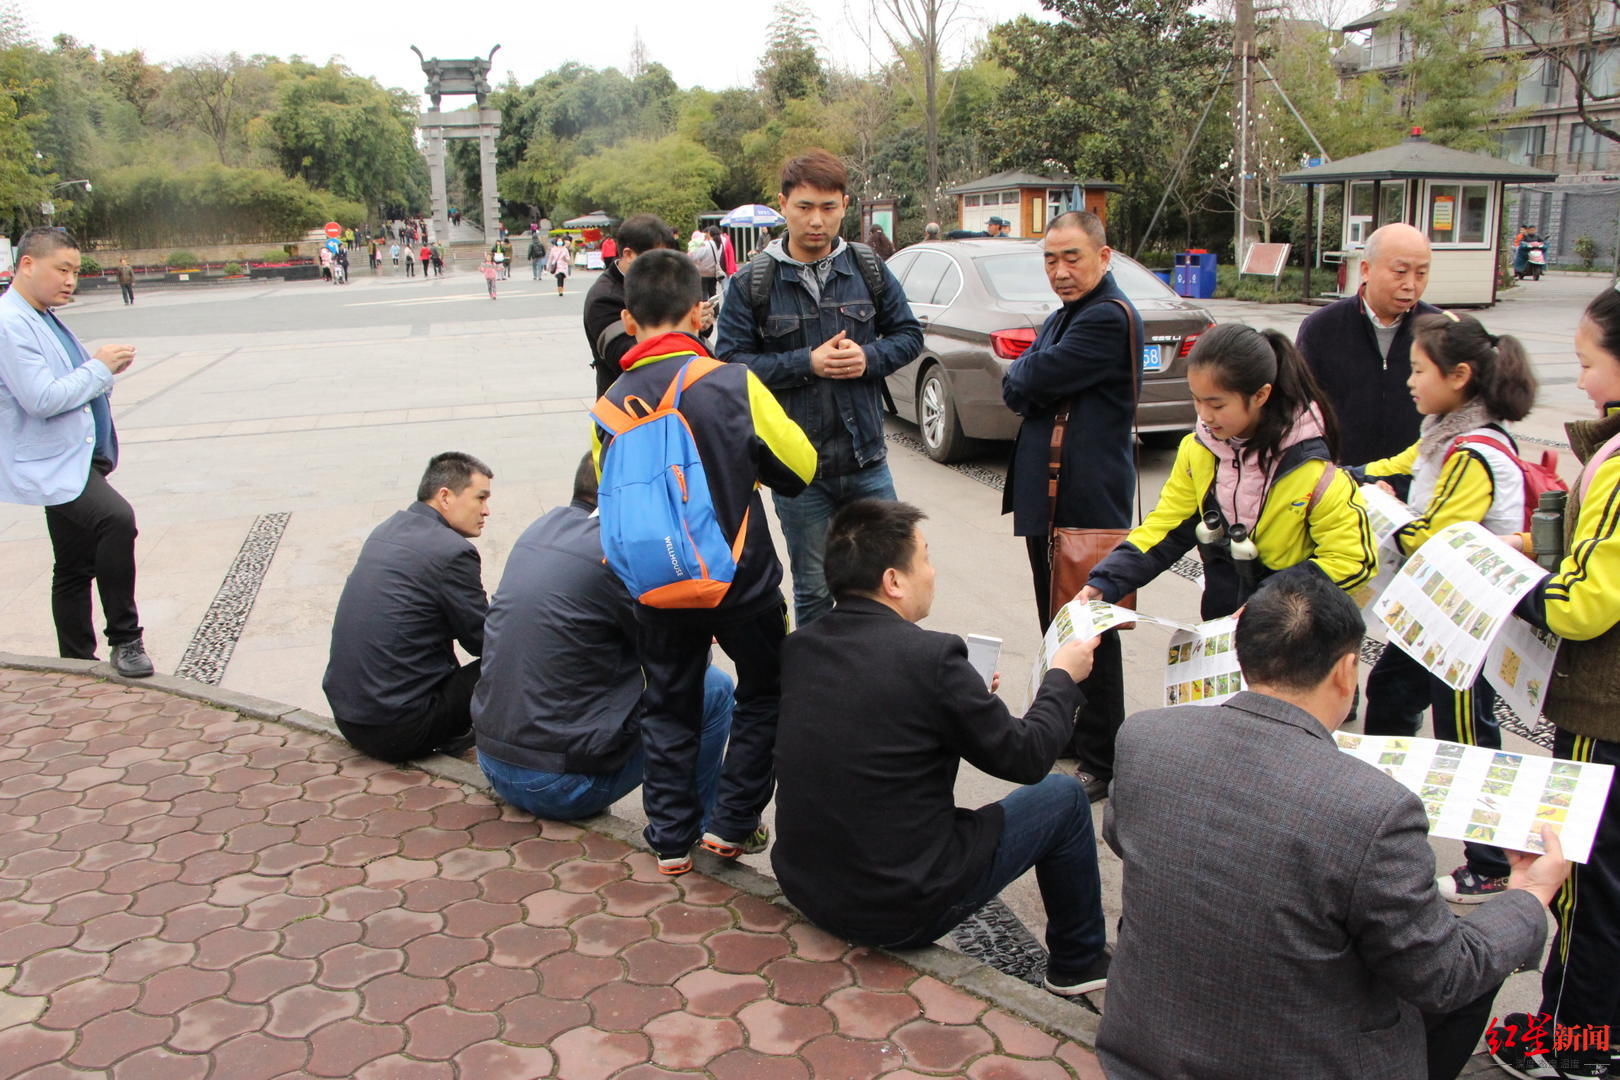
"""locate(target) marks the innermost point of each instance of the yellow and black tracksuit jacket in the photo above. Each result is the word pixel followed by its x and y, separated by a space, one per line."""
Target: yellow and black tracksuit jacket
pixel 1333 533
pixel 1581 601
pixel 744 439
pixel 1466 490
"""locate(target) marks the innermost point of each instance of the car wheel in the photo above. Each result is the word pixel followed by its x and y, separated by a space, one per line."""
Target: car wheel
pixel 936 417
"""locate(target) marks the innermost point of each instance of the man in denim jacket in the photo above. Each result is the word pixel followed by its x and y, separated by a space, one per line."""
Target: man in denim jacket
pixel 823 347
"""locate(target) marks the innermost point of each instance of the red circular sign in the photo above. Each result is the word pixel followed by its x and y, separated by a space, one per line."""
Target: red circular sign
pixel 334 230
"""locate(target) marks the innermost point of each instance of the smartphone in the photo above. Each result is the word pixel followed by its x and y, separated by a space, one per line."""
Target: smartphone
pixel 983 652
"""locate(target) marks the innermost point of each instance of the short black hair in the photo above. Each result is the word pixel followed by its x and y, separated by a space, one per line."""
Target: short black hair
pixel 42 240
pixel 451 469
pixel 642 233
pixel 866 538
pixel 585 482
pixel 1085 221
pixel 661 287
pixel 1295 627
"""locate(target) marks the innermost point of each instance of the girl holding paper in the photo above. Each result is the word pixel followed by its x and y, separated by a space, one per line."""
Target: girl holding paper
pixel 1254 487
pixel 1468 383
pixel 1581 604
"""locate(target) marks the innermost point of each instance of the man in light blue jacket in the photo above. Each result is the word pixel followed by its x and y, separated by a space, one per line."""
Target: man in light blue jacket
pixel 57 445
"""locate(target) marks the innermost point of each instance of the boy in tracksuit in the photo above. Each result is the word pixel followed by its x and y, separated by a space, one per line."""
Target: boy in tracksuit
pixel 744 439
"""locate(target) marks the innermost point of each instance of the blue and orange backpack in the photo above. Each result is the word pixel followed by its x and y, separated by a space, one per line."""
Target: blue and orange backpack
pixel 659 529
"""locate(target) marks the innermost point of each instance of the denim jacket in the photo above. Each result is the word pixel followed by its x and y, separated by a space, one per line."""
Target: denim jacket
pixel 842 417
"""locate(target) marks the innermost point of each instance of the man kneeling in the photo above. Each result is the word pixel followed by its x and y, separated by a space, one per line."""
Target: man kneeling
pixel 557 711
pixel 396 688
pixel 877 713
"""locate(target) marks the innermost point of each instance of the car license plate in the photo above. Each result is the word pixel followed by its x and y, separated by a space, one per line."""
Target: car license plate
pixel 1152 358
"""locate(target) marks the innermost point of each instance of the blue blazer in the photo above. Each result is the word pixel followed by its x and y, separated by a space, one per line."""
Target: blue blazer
pixel 47 433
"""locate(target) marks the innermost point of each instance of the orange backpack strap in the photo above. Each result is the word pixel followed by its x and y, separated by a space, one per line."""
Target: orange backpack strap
pixel 695 368
pixel 611 417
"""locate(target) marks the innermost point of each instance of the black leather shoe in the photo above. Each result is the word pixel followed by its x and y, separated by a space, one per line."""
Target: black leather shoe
pixel 458 745
pixel 130 660
pixel 1096 786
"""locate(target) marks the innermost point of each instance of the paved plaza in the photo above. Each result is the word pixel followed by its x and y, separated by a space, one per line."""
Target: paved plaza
pixel 375 921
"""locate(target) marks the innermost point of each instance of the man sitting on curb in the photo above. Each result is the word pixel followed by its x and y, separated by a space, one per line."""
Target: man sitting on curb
pixel 1280 915
pixel 557 711
pixel 877 715
pixel 396 689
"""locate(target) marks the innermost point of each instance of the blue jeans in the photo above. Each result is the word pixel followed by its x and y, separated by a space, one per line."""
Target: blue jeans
pixel 804 521
pixel 1046 826
pixel 571 796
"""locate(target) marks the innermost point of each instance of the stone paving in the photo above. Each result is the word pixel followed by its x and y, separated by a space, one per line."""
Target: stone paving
pixel 188 893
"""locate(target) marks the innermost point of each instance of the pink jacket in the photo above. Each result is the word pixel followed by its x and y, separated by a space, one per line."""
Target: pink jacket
pixel 1240 484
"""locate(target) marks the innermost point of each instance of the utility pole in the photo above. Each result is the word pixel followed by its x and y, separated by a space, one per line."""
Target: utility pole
pixel 1243 61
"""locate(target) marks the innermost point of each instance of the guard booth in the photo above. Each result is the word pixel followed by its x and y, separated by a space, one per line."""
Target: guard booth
pixel 1452 196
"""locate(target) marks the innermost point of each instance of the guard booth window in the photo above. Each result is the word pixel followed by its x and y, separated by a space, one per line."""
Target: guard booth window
pixel 1456 215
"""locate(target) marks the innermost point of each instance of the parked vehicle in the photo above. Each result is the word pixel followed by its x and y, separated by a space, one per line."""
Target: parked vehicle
pixel 981 303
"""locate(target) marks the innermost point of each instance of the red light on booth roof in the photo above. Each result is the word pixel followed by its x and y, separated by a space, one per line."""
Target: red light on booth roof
pixel 1010 344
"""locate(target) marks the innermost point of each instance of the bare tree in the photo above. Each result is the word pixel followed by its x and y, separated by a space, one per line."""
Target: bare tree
pixel 207 92
pixel 916 31
pixel 1575 35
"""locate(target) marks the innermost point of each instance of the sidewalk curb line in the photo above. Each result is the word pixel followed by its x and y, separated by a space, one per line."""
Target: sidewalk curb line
pixel 1045 1011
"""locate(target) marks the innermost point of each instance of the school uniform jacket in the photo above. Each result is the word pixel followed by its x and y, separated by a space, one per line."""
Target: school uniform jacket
pixel 1334 534
pixel 744 439
pixel 1473 483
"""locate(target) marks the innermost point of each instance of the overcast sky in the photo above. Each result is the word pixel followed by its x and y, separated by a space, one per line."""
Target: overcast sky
pixel 717 49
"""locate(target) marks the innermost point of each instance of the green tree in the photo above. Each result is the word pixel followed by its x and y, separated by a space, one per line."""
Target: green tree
pixel 671 177
pixel 1453 85
pixel 791 68
pixel 1102 92
pixel 336 130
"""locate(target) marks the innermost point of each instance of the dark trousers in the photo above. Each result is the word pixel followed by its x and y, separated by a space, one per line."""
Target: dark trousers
pixel 1581 982
pixel 607 374
pixel 128 291
pixel 93 538
pixel 674 658
pixel 1399 690
pixel 447 716
pixel 1097 723
pixel 1046 826
pixel 1450 1037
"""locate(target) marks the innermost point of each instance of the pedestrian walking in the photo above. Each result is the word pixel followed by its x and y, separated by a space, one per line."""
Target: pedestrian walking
pixel 537 255
pixel 393 252
pixel 126 280
pixel 410 263
pixel 490 271
pixel 559 263
pixel 438 259
pixel 425 258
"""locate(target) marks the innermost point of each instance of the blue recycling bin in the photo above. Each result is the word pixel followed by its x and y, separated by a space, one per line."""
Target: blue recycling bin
pixel 1194 274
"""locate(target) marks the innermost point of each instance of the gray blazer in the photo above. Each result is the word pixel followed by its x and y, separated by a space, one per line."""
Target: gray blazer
pixel 47 434
pixel 1280 911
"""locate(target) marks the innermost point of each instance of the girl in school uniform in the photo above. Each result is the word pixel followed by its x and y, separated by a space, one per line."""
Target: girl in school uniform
pixel 1468 384
pixel 1254 487
pixel 1580 984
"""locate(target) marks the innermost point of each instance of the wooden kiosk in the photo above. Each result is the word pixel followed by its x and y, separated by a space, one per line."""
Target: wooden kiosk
pixel 1453 196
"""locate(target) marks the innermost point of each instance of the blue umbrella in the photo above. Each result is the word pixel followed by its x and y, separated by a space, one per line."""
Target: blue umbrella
pixel 754 215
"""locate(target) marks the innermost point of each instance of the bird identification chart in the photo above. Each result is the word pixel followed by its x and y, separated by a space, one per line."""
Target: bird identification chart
pixel 1446 605
pixel 1386 515
pixel 1082 620
pixel 1492 796
pixel 1520 664
pixel 1203 666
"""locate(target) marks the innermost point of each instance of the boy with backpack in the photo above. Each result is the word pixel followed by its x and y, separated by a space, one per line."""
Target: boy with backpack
pixel 682 443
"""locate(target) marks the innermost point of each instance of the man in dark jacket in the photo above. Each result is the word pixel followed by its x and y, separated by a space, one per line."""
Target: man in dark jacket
pixel 823 344
pixel 877 715
pixel 557 711
pixel 393 681
pixel 1081 363
pixel 744 440
pixel 1360 347
pixel 604 304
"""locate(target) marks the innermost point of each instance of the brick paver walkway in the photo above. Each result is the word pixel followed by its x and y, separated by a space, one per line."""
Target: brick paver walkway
pixel 188 894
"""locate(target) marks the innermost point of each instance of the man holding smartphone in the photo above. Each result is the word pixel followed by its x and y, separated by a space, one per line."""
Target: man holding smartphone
pixel 882 713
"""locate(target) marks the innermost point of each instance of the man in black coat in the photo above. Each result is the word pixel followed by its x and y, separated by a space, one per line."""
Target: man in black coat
pixel 604 304
pixel 1081 362
pixel 1360 347
pixel 396 689
pixel 877 715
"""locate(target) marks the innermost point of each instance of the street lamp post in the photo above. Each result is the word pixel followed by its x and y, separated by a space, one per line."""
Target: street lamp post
pixel 48 208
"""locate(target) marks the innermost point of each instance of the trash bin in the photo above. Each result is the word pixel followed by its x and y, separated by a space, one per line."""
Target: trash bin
pixel 1194 275
pixel 1163 273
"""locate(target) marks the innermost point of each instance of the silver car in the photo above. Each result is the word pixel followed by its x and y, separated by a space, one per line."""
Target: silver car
pixel 981 303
